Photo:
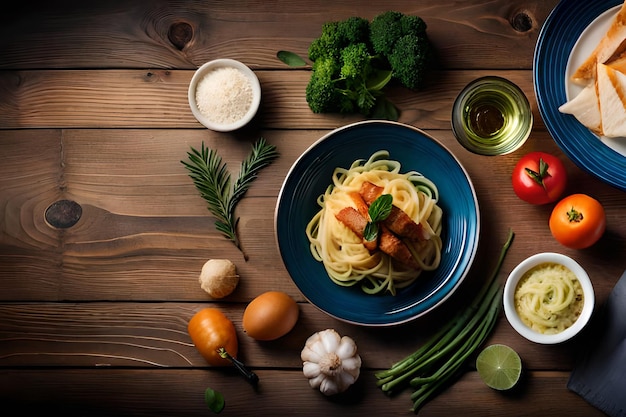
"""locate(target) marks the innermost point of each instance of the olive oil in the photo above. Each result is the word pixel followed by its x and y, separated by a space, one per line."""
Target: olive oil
pixel 485 119
pixel 491 116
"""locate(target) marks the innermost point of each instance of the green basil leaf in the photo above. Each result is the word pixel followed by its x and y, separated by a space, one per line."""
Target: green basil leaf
pixel 380 209
pixel 291 58
pixel 214 400
pixel 385 110
pixel 371 232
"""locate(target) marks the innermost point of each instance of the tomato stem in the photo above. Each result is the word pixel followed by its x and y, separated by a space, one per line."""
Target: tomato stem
pixel 250 376
pixel 574 215
pixel 539 176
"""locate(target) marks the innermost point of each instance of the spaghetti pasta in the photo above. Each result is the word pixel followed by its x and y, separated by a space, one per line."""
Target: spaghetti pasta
pixel 346 259
pixel 549 298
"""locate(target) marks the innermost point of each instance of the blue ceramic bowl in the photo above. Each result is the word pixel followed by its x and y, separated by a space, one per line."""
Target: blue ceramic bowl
pixel 415 150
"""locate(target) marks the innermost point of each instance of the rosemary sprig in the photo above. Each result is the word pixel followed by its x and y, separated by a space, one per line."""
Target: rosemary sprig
pixel 213 181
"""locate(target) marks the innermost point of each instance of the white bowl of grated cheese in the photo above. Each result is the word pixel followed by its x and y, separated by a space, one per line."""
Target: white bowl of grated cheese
pixel 224 95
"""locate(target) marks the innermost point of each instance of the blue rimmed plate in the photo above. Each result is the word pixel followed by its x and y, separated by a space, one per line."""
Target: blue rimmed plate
pixel 570 33
pixel 309 177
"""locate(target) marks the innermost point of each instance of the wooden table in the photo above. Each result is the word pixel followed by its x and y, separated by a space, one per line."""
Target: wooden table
pixel 93 110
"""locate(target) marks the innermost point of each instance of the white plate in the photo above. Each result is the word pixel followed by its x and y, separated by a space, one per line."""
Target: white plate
pixel 567 37
pixel 585 45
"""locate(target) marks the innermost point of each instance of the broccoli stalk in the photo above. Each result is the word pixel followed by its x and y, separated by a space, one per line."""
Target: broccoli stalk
pixel 354 86
pixel 360 81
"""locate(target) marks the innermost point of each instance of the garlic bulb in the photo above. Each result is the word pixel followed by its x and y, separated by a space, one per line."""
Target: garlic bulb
pixel 330 361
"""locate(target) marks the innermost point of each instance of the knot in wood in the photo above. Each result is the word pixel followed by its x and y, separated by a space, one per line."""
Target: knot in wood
pixel 522 22
pixel 180 34
pixel 63 214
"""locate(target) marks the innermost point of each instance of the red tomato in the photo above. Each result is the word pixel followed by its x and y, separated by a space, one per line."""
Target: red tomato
pixel 578 221
pixel 539 178
pixel 211 330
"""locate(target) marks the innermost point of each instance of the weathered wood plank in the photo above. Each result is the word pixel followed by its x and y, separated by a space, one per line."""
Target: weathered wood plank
pixel 158 99
pixel 163 34
pixel 154 335
pixel 105 392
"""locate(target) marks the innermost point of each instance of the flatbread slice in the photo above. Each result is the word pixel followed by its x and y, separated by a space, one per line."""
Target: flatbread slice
pixel 618 64
pixel 612 95
pixel 612 44
pixel 585 108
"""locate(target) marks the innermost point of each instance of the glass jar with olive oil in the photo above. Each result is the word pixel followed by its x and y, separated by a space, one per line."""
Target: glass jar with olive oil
pixel 491 116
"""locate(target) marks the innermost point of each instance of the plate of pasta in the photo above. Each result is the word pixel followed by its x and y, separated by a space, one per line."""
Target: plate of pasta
pixel 377 223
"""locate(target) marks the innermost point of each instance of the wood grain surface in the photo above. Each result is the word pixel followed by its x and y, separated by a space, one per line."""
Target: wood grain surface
pixel 93 110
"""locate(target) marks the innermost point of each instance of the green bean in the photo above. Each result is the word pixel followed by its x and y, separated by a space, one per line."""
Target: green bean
pixel 443 356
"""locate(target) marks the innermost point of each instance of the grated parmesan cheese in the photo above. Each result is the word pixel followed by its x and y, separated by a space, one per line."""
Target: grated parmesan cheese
pixel 224 95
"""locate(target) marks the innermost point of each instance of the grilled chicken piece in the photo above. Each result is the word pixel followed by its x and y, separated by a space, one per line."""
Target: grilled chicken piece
pixel 356 222
pixel 387 242
pixel 370 192
pixel 398 221
pixel 361 205
pixel 396 248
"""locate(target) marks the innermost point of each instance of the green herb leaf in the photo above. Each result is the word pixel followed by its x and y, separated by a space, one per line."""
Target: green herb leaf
pixel 291 58
pixel 380 209
pixel 212 179
pixel 371 231
pixel 260 156
pixel 214 400
pixel 385 110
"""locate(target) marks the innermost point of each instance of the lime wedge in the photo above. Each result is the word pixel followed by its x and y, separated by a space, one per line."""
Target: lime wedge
pixel 499 367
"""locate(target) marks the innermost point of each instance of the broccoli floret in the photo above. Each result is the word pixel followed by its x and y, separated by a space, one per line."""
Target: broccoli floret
pixel 355 61
pixel 355 30
pixel 403 41
pixel 413 25
pixel 329 43
pixel 356 68
pixel 385 30
pixel 337 35
pixel 388 27
pixel 409 60
pixel 322 94
pixel 342 64
pixel 341 86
